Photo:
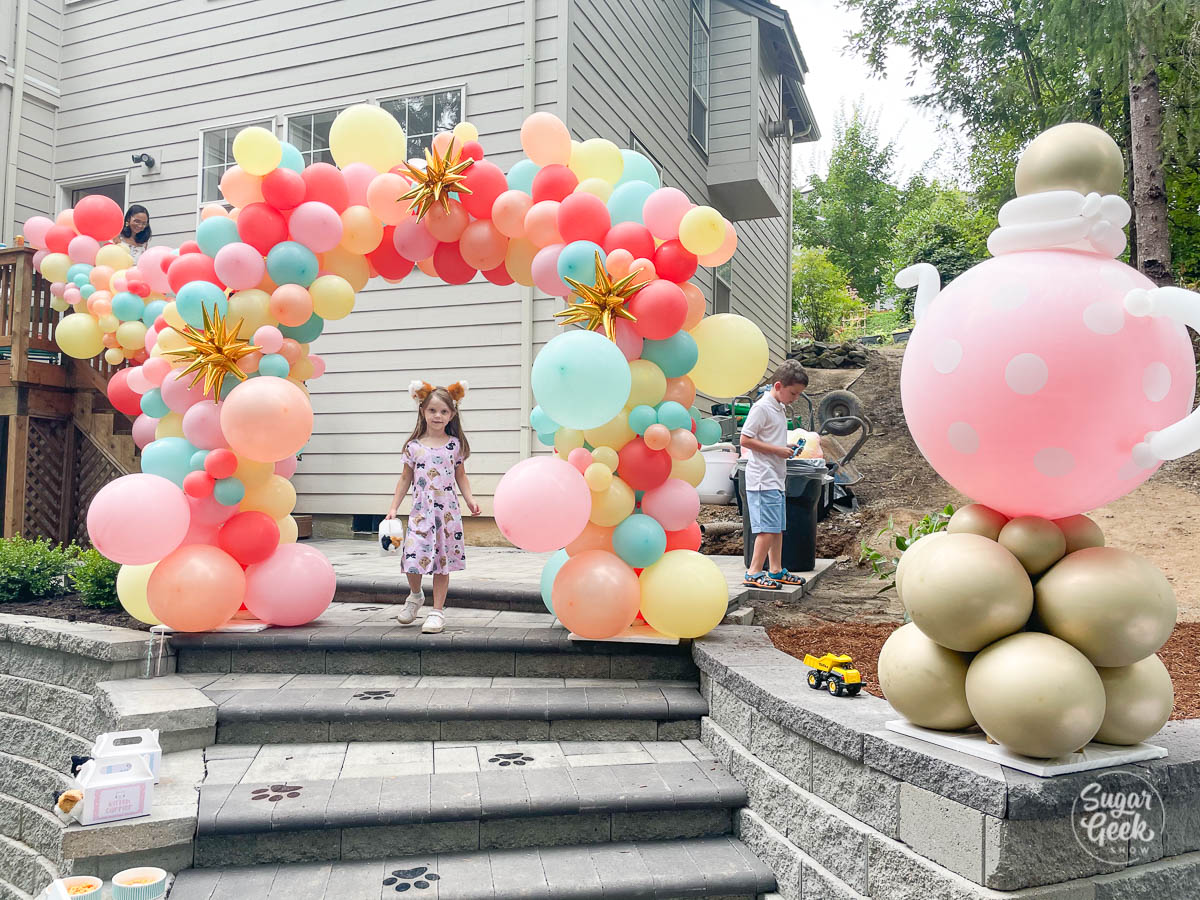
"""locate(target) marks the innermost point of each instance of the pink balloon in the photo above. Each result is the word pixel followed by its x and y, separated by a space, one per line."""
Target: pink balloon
pixel 413 241
pixel 663 211
pixel 176 393
pixel 240 266
pixel 318 364
pixel 156 369
pixel 580 458
pixel 202 426
pixel 674 504
pixel 153 268
pixel 286 468
pixel 291 587
pixel 209 511
pixel 151 338
pixel 316 226
pixel 138 519
pixel 82 249
pixel 1042 338
pixel 58 288
pixel 545 272
pixel 71 295
pixel 35 229
pixel 629 342
pixel 542 504
pixel 200 533
pixel 137 380
pixel 143 430
pixel 358 177
pixel 268 338
pixel 38 257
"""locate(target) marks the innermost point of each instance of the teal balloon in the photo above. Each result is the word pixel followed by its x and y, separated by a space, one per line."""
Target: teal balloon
pixel 151 311
pixel 642 417
pixel 292 158
pixel 228 384
pixel 676 356
pixel 169 457
pixel 196 296
pixel 639 540
pixel 674 415
pixel 214 233
pixel 578 260
pixel 153 404
pixel 638 168
pixel 80 280
pixel 520 176
pixel 77 271
pixel 291 263
pixel 708 431
pixel 87 290
pixel 627 200
pixel 546 438
pixel 229 491
pixel 581 379
pixel 197 461
pixel 127 307
pixel 549 572
pixel 542 423
pixel 274 364
pixel 306 333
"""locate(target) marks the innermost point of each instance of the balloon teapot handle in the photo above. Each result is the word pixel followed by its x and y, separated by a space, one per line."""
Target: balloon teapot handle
pixel 1183 437
pixel 928 282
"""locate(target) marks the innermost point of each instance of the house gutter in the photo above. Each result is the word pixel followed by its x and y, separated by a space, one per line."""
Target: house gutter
pixel 7 228
pixel 525 447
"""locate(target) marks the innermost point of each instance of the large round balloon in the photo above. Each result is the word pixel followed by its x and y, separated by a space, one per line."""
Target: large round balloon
pixel 1139 699
pixel 294 585
pixel 131 591
pixel 1042 338
pixel 196 588
pixel 542 503
pixel 596 595
pixel 924 681
pixel 369 134
pixel 581 380
pixel 684 594
pixel 733 355
pixel 267 419
pixel 138 519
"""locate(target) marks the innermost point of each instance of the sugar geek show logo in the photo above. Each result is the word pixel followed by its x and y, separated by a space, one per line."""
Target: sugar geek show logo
pixel 1114 813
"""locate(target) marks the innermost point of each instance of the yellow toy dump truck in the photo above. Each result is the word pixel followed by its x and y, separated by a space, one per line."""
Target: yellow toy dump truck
pixel 833 671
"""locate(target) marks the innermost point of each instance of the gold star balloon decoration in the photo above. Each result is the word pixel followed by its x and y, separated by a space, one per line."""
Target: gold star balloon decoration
pixel 433 184
pixel 214 352
pixel 601 303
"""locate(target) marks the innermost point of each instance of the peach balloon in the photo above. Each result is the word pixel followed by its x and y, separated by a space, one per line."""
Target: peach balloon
pixel 351 266
pixel 383 198
pixel 361 230
pixel 267 419
pixel 447 225
pixel 644 268
pixel 509 211
pixel 518 260
pixel 657 437
pixel 291 304
pixel 683 444
pixel 290 349
pixel 697 307
pixel 619 262
pixel 210 211
pixel 594 537
pixel 482 245
pixel 596 595
pixel 101 277
pixel 241 188
pixel 541 224
pixel 426 266
pixel 197 587
pixel 681 390
pixel 546 140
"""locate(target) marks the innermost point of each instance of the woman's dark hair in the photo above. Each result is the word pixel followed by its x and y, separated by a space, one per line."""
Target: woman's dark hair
pixel 142 236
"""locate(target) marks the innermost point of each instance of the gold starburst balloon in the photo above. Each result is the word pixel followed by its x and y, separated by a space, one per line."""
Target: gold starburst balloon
pixel 214 352
pixel 433 184
pixel 601 303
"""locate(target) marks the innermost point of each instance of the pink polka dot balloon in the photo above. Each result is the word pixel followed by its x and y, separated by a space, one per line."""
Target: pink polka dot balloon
pixel 1026 384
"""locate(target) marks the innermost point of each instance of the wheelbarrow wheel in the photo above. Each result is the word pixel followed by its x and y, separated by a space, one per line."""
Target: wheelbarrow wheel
pixel 839 405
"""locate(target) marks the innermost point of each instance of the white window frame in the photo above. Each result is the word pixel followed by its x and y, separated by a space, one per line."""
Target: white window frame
pixel 269 122
pixel 698 11
pixel 719 280
pixel 64 188
pixel 461 87
pixel 286 124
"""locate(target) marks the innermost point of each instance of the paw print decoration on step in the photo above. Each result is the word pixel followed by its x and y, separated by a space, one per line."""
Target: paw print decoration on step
pixel 511 759
pixel 374 695
pixel 402 880
pixel 276 792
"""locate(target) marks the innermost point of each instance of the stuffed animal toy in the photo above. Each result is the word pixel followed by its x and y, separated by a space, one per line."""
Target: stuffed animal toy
pixel 66 806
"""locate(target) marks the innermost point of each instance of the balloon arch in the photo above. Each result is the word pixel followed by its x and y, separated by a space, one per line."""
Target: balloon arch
pixel 216 337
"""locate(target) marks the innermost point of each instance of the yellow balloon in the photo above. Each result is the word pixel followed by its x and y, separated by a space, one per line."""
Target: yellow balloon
pixel 171 314
pixel 113 356
pixel 131 591
pixel 170 425
pixel 58 304
pixel 606 456
pixel 332 297
pixel 170 339
pixel 598 186
pixel 566 440
pixel 367 134
pixel 302 369
pixel 597 158
pixel 351 266
pixel 115 256
pixel 55 266
pixel 614 434
pixel 614 505
pixel 690 470
pixel 252 307
pixel 702 230
pixel 361 231
pixel 131 335
pixel 684 594
pixel 79 335
pixel 598 476
pixel 108 323
pixel 257 150
pixel 465 132
pixel 649 384
pixel 732 355
pixel 275 496
pixel 253 474
pixel 288 530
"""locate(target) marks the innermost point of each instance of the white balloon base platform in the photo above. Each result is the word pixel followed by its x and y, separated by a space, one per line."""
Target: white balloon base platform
pixel 1093 756
pixel 634 634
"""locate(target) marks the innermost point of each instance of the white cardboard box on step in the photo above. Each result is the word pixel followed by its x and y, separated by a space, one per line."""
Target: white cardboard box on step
pixel 142 742
pixel 119 788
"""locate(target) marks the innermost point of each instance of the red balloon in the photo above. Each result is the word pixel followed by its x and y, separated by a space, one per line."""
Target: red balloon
pixel 283 189
pixel 123 398
pixel 660 308
pixel 325 184
pixel 487 182
pixel 553 182
pixel 262 226
pixel 98 216
pixel 686 539
pixel 673 262
pixel 385 259
pixel 191 267
pixel 450 266
pixel 58 238
pixel 640 467
pixel 198 485
pixel 583 217
pixel 498 275
pixel 631 236
pixel 221 463
pixel 189 247
pixel 249 537
pixel 473 149
pixel 138 287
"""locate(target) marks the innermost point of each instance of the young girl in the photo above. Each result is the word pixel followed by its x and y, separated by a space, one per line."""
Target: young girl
pixel 433 463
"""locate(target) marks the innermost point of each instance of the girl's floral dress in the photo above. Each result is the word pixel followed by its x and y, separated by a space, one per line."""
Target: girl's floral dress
pixel 433 543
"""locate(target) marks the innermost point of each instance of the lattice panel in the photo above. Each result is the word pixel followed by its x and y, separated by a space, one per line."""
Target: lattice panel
pixel 44 471
pixel 93 470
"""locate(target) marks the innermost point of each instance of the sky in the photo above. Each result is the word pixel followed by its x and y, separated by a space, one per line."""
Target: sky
pixel 837 79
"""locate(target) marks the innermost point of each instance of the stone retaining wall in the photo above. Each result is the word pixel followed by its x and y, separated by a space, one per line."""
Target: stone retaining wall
pixel 840 807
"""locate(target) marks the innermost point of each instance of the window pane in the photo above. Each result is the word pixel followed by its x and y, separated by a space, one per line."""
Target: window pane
pixel 396 109
pixel 449 110
pixel 322 122
pixel 699 121
pixel 701 6
pixel 416 147
pixel 214 148
pixel 724 272
pixel 210 191
pixel 720 298
pixel 420 114
pixel 300 133
pixel 699 58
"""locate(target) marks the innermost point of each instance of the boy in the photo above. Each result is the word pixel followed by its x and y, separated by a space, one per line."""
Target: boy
pixel 764 438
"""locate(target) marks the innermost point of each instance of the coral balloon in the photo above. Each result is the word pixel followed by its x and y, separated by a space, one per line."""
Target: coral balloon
pixel 262 226
pixel 660 309
pixel 249 537
pixel 684 594
pixel 137 519
pixel 688 538
pixel 642 468
pixel 283 189
pixel 673 262
pixel 483 245
pixel 196 588
pixel 192 267
pixel 447 225
pixel 583 217
pixel 541 224
pixel 267 419
pixel 631 236
pixel 542 504
pixel 697 307
pixel 486 182
pixel 450 266
pixel 383 198
pixel 596 595
pixel 593 537
pixel 324 183
pixel 121 395
pixel 388 261
pixel 98 217
pixel 555 182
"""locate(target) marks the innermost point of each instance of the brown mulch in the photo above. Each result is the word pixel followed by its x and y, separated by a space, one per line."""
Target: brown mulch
pixel 72 610
pixel 1181 654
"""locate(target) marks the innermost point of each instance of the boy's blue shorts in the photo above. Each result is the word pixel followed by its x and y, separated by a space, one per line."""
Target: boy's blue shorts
pixel 767 515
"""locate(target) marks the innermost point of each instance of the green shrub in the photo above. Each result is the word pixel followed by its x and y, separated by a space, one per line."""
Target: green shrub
pixel 95 579
pixel 31 570
pixel 884 562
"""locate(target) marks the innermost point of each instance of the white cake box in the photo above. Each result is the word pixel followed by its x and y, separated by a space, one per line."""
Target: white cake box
pixel 120 787
pixel 143 742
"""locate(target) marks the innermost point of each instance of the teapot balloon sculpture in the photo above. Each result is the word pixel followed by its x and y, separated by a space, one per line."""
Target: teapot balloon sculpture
pixel 1043 383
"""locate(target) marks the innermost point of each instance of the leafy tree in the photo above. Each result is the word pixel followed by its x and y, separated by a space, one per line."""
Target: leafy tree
pixel 821 296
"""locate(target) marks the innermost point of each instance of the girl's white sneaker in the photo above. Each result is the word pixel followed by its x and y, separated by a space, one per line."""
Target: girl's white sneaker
pixel 434 622
pixel 408 614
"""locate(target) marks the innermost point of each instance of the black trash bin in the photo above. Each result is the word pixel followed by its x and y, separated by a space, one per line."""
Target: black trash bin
pixel 805 481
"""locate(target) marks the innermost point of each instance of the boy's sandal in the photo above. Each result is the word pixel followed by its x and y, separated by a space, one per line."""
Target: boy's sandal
pixel 786 577
pixel 762 581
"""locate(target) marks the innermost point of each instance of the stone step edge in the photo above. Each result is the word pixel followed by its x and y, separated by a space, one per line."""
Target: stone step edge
pixel 13 891
pixel 470 796
pixel 24 808
pixel 460 704
pixel 10 847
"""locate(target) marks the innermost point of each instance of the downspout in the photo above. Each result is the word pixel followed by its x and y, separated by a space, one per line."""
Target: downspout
pixel 7 228
pixel 525 446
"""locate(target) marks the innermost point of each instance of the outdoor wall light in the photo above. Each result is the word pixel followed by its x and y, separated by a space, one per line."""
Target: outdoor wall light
pixel 145 159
